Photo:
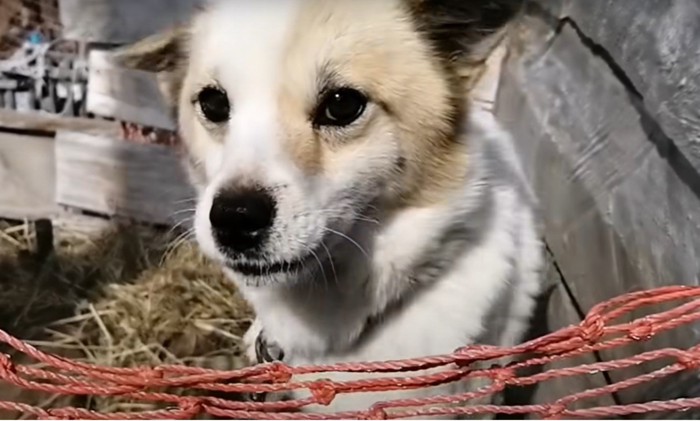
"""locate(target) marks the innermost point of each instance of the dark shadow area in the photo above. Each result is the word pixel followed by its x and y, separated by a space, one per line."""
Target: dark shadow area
pixel 44 278
pixel 538 327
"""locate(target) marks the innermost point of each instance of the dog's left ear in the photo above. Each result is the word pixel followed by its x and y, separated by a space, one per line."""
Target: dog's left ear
pixel 464 30
pixel 164 54
pixel 157 53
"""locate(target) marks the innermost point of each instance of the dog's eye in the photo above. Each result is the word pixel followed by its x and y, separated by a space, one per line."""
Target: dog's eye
pixel 340 107
pixel 214 104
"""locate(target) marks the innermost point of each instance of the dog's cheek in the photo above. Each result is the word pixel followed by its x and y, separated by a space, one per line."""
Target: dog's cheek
pixel 202 226
pixel 196 173
pixel 381 167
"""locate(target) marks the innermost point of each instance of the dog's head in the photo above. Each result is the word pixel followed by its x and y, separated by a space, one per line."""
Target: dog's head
pixel 300 115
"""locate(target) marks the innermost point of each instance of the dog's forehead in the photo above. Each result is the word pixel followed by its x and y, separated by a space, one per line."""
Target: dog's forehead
pixel 251 42
pixel 243 40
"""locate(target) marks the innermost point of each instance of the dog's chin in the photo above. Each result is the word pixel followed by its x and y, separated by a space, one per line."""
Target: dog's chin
pixel 260 281
pixel 265 273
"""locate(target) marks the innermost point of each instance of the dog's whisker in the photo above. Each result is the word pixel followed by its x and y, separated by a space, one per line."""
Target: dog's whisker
pixel 320 265
pixel 311 251
pixel 338 213
pixel 319 212
pixel 330 259
pixel 177 242
pixel 182 238
pixel 181 211
pixel 183 201
pixel 179 224
pixel 365 219
pixel 353 242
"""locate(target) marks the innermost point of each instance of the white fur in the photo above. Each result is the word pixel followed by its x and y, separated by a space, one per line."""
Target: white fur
pixel 447 317
pixel 241 46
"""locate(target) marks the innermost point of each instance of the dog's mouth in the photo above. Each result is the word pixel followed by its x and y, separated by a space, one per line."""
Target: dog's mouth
pixel 315 257
pixel 265 268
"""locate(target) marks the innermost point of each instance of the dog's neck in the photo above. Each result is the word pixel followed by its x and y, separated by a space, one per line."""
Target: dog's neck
pixel 326 313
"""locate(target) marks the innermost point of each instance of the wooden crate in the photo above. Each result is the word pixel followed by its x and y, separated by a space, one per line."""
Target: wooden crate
pixel 117 178
pixel 49 163
pixel 124 94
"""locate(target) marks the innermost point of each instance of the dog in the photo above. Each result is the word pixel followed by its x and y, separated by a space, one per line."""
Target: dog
pixel 345 184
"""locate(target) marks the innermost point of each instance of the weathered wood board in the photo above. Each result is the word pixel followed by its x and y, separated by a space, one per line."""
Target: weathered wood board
pixel 124 94
pixel 562 313
pixel 121 21
pixel 27 176
pixel 37 121
pixel 72 221
pixel 114 177
pixel 654 47
pixel 620 202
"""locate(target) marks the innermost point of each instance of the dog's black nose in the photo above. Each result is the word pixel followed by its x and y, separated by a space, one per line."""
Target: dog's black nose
pixel 241 219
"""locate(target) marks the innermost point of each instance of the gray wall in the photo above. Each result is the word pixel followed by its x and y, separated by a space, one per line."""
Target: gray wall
pixel 603 98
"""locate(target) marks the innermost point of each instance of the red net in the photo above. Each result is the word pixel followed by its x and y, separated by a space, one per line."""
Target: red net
pixel 599 331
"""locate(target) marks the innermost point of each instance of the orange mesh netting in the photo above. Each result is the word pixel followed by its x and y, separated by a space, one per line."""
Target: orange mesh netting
pixel 600 331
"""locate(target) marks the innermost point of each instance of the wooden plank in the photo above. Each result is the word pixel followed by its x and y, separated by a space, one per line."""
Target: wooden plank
pixel 124 94
pixel 27 176
pixel 121 21
pixel 113 177
pixel 581 140
pixel 71 222
pixel 657 48
pixel 562 313
pixel 37 121
pixel 621 205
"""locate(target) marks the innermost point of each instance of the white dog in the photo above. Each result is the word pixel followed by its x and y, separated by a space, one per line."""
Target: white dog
pixel 346 186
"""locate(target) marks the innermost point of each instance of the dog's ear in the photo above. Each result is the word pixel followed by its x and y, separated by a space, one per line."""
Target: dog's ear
pixel 464 30
pixel 164 53
pixel 157 53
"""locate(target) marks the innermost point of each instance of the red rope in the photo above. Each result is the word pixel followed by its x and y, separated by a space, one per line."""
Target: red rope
pixel 598 332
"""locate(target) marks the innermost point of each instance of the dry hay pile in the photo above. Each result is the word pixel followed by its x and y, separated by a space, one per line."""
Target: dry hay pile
pixel 129 297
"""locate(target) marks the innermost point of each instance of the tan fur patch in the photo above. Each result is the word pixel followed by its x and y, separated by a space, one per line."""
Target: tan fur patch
pixel 374 46
pixel 301 143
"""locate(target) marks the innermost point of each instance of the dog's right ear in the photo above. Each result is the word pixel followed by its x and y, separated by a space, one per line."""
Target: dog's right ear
pixel 164 53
